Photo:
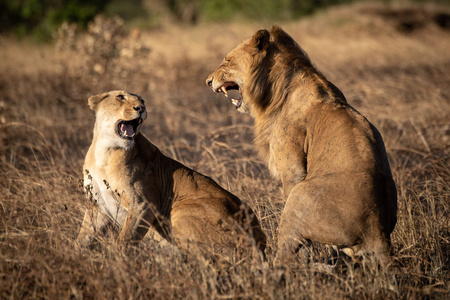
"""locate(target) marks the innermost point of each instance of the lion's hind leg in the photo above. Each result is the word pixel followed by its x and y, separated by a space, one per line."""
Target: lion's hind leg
pixel 321 210
pixel 314 212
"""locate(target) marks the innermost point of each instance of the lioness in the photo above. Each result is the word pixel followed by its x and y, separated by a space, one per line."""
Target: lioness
pixel 332 162
pixel 137 188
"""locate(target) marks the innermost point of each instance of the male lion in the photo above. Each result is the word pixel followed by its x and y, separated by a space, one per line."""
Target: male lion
pixel 332 162
pixel 137 188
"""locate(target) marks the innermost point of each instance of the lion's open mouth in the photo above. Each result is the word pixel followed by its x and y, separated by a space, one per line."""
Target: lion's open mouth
pixel 236 96
pixel 127 129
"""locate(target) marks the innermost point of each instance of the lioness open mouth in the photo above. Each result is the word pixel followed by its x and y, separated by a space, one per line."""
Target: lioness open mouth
pixel 231 86
pixel 127 129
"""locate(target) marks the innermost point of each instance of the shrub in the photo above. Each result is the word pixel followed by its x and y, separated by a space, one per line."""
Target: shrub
pixel 41 17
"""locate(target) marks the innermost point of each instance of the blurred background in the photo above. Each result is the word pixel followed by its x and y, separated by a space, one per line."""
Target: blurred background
pixel 391 59
pixel 42 17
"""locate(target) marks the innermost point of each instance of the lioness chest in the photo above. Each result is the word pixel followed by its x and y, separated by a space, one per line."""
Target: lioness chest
pixel 102 185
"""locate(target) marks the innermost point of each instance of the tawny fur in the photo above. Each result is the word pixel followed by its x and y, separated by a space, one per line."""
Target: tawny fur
pixel 331 160
pixel 138 189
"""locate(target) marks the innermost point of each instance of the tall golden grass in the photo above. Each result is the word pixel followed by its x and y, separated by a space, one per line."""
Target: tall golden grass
pixel 399 80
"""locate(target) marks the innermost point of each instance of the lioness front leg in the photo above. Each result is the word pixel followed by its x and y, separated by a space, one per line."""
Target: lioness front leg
pixel 140 217
pixel 94 223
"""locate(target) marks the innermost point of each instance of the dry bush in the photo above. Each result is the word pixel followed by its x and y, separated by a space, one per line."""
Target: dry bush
pixel 106 47
pixel 400 82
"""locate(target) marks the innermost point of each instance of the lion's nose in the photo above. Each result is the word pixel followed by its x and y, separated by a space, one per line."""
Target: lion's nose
pixel 209 81
pixel 139 108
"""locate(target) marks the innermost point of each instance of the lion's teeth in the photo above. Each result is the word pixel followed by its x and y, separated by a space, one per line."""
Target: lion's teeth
pixel 224 91
pixel 133 134
pixel 125 133
pixel 234 101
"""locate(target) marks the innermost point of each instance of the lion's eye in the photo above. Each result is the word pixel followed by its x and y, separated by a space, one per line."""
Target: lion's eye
pixel 120 97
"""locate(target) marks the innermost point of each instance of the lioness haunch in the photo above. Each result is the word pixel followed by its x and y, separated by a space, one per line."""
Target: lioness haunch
pixel 331 160
pixel 138 189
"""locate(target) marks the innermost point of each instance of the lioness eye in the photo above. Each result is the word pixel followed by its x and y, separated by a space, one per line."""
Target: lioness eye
pixel 120 97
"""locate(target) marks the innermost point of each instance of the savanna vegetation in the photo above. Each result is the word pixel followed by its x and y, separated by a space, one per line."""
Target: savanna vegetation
pixel 391 61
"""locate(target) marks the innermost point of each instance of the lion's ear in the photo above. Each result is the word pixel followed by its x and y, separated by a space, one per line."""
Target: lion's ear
pixel 276 29
pixel 281 37
pixel 260 40
pixel 95 100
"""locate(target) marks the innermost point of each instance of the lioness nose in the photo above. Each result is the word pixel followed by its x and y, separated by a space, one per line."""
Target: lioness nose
pixel 209 81
pixel 139 108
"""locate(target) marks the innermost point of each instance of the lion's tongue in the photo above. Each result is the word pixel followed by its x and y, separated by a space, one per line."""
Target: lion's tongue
pixel 127 129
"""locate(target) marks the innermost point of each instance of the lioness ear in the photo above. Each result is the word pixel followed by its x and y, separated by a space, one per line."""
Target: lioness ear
pixel 95 100
pixel 260 40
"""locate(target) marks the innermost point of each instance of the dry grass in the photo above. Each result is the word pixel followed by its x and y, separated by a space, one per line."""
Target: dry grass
pixel 399 81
